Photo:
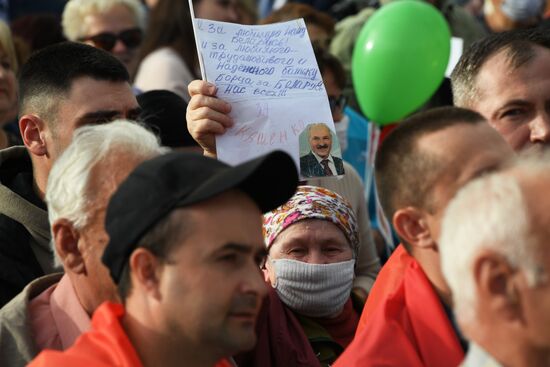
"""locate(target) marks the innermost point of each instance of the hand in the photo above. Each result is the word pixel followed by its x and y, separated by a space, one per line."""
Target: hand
pixel 207 116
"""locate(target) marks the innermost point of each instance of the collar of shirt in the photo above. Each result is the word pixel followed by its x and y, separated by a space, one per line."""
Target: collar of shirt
pixel 319 159
pixel 478 357
pixel 70 317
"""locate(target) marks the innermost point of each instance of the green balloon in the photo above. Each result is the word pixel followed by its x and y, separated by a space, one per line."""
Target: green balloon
pixel 400 59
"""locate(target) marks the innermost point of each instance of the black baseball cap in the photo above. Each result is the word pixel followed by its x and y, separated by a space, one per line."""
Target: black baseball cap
pixel 164 112
pixel 180 179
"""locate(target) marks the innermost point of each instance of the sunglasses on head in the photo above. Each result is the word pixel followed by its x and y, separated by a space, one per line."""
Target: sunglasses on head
pixel 339 102
pixel 131 38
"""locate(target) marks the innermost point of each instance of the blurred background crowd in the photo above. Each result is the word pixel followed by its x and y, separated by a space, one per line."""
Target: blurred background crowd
pixel 388 277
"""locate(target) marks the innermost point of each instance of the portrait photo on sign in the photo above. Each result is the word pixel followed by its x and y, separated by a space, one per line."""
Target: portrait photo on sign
pixel 320 154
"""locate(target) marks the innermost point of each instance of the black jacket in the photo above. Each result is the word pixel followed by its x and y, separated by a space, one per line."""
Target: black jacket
pixel 310 167
pixel 25 253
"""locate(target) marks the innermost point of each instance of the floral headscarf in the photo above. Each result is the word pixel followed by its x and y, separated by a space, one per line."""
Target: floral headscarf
pixel 312 202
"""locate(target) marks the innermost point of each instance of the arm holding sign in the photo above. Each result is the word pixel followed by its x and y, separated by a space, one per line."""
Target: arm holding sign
pixel 207 116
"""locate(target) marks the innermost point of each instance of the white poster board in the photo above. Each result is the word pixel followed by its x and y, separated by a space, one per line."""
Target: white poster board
pixel 270 76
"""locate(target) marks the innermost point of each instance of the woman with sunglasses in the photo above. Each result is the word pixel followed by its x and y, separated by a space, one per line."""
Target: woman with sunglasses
pixel 168 56
pixel 115 26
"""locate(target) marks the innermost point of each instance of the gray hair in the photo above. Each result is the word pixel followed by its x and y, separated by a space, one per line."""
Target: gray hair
pixel 67 193
pixel 317 124
pixel 489 213
pixel 75 12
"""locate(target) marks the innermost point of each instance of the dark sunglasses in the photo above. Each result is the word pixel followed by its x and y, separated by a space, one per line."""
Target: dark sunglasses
pixel 131 38
pixel 339 102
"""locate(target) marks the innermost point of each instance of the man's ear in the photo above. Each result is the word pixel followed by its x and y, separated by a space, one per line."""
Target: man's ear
pixel 32 130
pixel 66 244
pixel 411 225
pixel 145 269
pixel 495 280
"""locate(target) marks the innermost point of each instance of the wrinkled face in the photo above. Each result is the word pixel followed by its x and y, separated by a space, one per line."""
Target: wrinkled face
pixel 117 19
pixel 211 285
pixel 313 241
pixel 320 141
pixel 89 101
pixel 536 300
pixel 464 152
pixel 8 85
pixel 220 10
pixel 516 102
pixel 105 178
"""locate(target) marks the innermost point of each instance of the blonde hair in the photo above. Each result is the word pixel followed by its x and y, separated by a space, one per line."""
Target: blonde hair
pixel 74 26
pixel 6 42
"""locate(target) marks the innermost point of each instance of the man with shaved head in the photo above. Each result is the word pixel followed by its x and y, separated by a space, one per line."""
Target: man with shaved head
pixel 407 320
pixel 62 87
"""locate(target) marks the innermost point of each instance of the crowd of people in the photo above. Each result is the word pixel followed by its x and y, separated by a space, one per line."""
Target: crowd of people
pixel 124 241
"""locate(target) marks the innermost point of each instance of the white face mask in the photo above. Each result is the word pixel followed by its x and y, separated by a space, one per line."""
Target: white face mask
pixel 315 290
pixel 342 132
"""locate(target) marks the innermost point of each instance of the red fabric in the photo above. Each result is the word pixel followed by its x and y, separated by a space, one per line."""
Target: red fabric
pixel 281 339
pixel 385 131
pixel 388 280
pixel 105 345
pixel 409 328
pixel 342 328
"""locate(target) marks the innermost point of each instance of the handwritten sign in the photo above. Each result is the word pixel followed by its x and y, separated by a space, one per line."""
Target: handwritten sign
pixel 270 76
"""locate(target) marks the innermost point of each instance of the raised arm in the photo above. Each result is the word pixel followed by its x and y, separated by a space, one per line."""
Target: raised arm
pixel 207 115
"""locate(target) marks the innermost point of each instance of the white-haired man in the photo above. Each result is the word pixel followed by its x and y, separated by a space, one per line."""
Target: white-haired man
pixel 52 311
pixel 115 26
pixel 496 259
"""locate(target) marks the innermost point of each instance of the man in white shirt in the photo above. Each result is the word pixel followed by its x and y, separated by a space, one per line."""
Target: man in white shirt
pixel 319 161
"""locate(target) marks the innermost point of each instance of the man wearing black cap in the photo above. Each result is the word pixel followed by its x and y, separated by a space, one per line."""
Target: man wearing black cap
pixel 185 247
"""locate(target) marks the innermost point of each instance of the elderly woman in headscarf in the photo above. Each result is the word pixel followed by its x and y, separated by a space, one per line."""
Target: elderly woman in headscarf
pixel 311 313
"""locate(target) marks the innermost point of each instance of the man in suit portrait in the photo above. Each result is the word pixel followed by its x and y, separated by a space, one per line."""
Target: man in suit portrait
pixel 319 161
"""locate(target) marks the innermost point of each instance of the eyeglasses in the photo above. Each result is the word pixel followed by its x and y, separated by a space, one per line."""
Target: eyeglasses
pixel 339 102
pixel 131 38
